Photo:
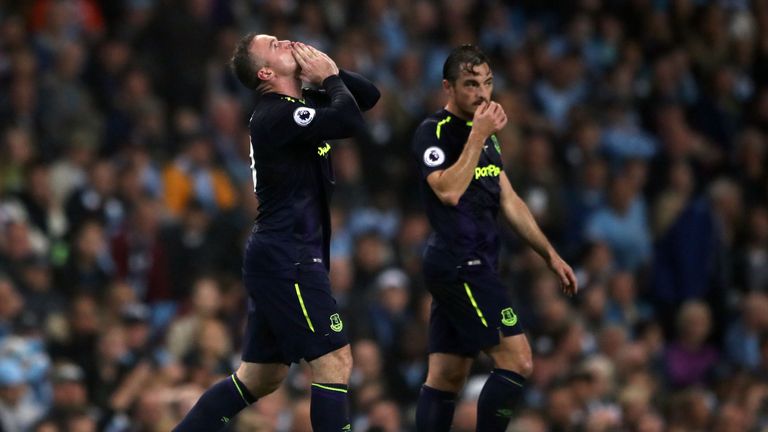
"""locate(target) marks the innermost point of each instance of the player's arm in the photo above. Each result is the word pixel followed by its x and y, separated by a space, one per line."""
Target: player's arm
pixel 523 222
pixel 451 183
pixel 366 94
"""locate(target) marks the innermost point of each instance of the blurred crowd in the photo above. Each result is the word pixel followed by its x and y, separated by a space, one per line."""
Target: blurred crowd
pixel 638 138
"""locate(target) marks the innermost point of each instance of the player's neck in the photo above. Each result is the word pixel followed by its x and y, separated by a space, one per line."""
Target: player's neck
pixel 458 112
pixel 286 86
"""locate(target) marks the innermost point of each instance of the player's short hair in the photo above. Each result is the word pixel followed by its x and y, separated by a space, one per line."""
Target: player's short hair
pixel 466 58
pixel 244 64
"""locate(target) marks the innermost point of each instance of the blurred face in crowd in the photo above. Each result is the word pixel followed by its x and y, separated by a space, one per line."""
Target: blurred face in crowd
pixel 18 145
pixel 694 323
pixel 149 409
pixel 593 302
pixel 136 334
pixel 47 426
pixel 69 394
pixel 731 418
pixel 214 338
pixel 207 297
pixel 103 177
pixel 394 299
pixel 90 241
pixel 11 302
pixel 11 394
pixel 81 423
pixel 471 88
pixel 112 344
pixel 756 311
pixel 367 359
pixel 17 242
pixel 650 423
pixel 275 55
pixel 386 416
pixel 622 194
pixel 623 289
pixel 560 406
pixel 84 316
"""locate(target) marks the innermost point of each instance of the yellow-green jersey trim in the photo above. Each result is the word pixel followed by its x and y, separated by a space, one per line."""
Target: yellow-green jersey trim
pixel 303 308
pixel 474 304
pixel 239 390
pixel 511 381
pixel 440 125
pixel 294 100
pixel 329 388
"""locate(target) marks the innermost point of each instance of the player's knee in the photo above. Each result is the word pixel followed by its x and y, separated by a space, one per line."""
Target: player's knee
pixel 448 379
pixel 260 382
pixel 524 366
pixel 520 363
pixel 268 385
pixel 334 367
pixel 343 361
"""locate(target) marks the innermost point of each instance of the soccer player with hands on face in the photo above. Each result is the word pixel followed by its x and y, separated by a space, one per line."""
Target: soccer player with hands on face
pixel 291 313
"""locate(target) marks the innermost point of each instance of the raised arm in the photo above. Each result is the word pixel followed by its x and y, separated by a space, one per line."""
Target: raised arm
pixel 366 94
pixel 451 183
pixel 317 67
pixel 523 222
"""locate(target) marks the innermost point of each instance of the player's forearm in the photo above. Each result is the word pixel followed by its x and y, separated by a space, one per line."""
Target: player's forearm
pixel 366 94
pixel 524 224
pixel 452 182
pixel 343 111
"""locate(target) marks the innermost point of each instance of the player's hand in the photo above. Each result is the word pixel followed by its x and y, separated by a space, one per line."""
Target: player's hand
pixel 314 65
pixel 489 118
pixel 565 274
pixel 324 55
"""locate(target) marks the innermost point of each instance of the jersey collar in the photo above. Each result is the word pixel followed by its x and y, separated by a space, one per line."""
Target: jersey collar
pixel 455 119
pixel 285 97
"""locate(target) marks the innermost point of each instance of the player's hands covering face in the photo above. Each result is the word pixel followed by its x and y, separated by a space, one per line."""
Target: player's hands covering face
pixel 315 65
pixel 489 119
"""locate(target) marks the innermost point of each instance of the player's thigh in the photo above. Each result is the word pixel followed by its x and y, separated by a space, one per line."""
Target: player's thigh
pixel 334 367
pixel 448 372
pixel 513 353
pixel 262 378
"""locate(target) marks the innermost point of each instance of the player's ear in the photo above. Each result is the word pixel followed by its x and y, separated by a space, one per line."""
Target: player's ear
pixel 447 85
pixel 265 74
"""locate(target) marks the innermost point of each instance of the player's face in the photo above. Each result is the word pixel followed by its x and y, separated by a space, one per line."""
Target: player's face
pixel 470 89
pixel 275 53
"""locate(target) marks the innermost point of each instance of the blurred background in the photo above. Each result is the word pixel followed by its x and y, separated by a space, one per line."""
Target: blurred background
pixel 637 137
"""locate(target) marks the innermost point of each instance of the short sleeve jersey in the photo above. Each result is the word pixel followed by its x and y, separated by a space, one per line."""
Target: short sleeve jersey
pixel 468 231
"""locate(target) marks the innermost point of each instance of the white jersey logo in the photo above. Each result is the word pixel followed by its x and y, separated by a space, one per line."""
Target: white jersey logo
pixel 434 156
pixel 303 115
